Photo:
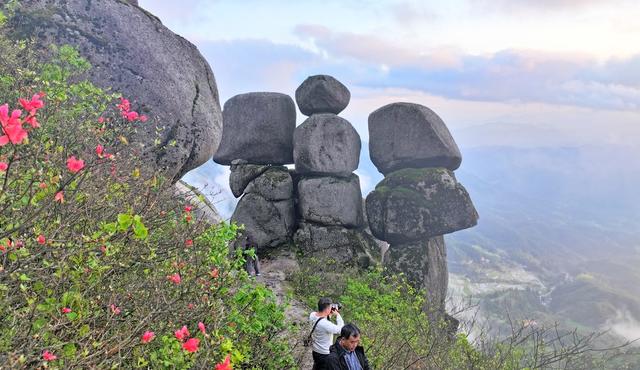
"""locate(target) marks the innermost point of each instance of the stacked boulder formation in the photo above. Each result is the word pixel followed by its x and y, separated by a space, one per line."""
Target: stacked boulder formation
pixel 326 151
pixel 257 141
pixel 419 200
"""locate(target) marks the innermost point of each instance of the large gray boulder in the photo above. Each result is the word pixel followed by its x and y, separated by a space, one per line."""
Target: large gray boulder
pixel 258 127
pixel 242 173
pixel 407 135
pixel 322 94
pixel 424 264
pixel 335 245
pixel 268 223
pixel 163 75
pixel 274 184
pixel 331 200
pixel 416 204
pixel 326 144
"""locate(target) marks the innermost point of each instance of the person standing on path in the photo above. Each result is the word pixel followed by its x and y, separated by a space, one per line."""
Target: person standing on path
pixel 322 335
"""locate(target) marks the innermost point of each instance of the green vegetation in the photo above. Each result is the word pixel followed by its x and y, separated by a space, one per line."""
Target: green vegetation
pixel 100 265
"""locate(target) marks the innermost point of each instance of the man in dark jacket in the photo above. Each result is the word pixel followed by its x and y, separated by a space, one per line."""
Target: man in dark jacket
pixel 346 353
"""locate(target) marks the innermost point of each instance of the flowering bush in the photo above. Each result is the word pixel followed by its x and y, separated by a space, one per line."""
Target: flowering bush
pixel 100 265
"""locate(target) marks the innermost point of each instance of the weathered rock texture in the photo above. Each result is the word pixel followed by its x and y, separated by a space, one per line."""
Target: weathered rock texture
pixel 403 135
pixel 274 184
pixel 331 201
pixel 164 75
pixel 269 223
pixel 416 204
pixel 424 264
pixel 258 127
pixel 322 94
pixel 242 174
pixel 326 144
pixel 337 244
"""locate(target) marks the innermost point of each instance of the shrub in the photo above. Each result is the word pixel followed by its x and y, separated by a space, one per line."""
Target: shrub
pixel 100 264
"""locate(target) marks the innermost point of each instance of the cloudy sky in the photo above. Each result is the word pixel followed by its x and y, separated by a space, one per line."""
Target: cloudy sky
pixel 526 73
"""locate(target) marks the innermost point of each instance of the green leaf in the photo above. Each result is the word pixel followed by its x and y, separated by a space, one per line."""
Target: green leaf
pixel 69 350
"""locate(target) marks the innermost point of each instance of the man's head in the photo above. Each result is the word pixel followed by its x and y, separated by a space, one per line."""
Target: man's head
pixel 324 305
pixel 350 337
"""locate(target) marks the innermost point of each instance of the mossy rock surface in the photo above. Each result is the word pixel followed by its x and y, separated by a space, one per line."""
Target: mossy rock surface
pixel 415 204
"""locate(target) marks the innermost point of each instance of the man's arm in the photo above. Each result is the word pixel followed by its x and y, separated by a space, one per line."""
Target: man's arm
pixel 332 362
pixel 331 327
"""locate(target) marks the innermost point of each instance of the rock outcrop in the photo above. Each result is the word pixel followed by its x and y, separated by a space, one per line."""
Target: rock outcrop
pixel 258 127
pixel 257 138
pixel 407 135
pixel 420 199
pixel 163 75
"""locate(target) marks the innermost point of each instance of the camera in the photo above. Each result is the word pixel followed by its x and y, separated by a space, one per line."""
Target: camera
pixel 336 306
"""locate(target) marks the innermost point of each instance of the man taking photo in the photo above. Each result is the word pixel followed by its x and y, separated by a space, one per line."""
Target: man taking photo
pixel 323 330
pixel 347 353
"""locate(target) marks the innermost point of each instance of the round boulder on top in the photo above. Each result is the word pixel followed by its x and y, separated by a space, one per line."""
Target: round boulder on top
pixel 407 135
pixel 326 144
pixel 258 127
pixel 322 94
pixel 331 200
pixel 414 204
pixel 133 53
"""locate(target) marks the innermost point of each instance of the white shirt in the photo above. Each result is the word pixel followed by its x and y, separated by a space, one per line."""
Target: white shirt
pixel 322 337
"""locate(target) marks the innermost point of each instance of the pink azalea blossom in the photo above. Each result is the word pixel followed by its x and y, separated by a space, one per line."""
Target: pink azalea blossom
pixel 11 126
pixel 114 309
pixel 99 150
pixel 191 345
pixel 187 208
pixel 148 336
pixel 3 166
pixel 175 278
pixel 59 197
pixel 124 105
pixel 182 333
pixel 188 243
pixel 226 365
pixel 75 165
pixel 101 120
pixel 65 310
pixel 48 356
pixel 41 239
pixel 202 328
pixel 33 105
pixel 32 121
pixel 132 116
pixel 42 185
pixel 143 118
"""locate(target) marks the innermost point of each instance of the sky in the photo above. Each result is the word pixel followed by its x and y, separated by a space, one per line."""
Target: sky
pixel 523 73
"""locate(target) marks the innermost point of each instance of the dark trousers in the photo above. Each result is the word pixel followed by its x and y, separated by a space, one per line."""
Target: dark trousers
pixel 319 361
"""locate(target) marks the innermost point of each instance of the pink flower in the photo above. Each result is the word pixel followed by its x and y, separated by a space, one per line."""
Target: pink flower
pixel 75 165
pixel 99 150
pixel 182 333
pixel 32 121
pixel 48 356
pixel 33 105
pixel 132 116
pixel 191 345
pixel 175 278
pixel 148 336
pixel 226 365
pixel 65 310
pixel 101 120
pixel 42 185
pixel 143 118
pixel 215 273
pixel 188 243
pixel 187 208
pixel 11 126
pixel 124 105
pixel 59 197
pixel 202 328
pixel 115 309
pixel 41 239
pixel 3 166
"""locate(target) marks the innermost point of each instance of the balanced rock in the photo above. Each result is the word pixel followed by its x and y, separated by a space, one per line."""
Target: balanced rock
pixel 331 200
pixel 242 173
pixel 335 244
pixel 258 127
pixel 424 264
pixel 273 184
pixel 268 223
pixel 326 144
pixel 163 75
pixel 322 94
pixel 405 135
pixel 415 204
